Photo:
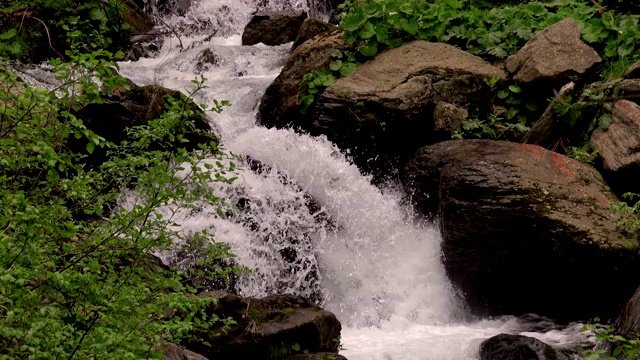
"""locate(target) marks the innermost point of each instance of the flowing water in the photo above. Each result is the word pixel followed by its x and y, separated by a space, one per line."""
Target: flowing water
pixel 310 223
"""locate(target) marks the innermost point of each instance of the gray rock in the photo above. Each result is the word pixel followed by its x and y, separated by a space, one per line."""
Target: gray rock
pixel 553 55
pixel 273 28
pixel 619 147
pixel 448 117
pixel 206 60
pixel 523 228
pixel 311 27
pixel 512 347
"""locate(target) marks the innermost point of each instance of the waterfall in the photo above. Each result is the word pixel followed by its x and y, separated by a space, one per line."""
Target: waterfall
pixel 309 223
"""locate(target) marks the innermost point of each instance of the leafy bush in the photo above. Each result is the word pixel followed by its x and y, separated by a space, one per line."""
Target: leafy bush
pixel 35 30
pixel 76 280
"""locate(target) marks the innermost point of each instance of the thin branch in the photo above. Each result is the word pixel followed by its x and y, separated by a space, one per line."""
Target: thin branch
pixel 172 30
pixel 601 8
pixel 48 36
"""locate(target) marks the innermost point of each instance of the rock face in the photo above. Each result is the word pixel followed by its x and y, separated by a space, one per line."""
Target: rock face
pixel 173 7
pixel 619 147
pixel 131 108
pixel 266 324
pixel 628 323
pixel 175 352
pixel 317 356
pixel 553 55
pixel 310 28
pixel 525 230
pixel 273 28
pixel 279 105
pixel 512 347
pixel 547 131
pixel 386 109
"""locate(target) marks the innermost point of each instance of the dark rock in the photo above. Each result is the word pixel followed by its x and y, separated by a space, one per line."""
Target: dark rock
pixel 137 106
pixel 137 20
pixel 206 60
pixel 144 45
pixel 631 88
pixel 633 71
pixel 553 55
pixel 524 229
pixel 548 132
pixel 517 347
pixel 264 324
pixel 447 118
pixel 175 7
pixel 175 352
pixel 317 356
pixel 279 105
pixel 323 8
pixel 311 27
pixel 619 147
pixel 273 28
pixel 628 323
pixel 385 110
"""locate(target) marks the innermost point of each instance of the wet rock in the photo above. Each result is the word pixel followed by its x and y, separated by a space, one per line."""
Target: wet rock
pixel 317 356
pixel 628 323
pixel 524 229
pixel 144 45
pixel 273 28
pixel 447 118
pixel 173 7
pixel 310 28
pixel 175 352
pixel 323 8
pixel 548 131
pixel 137 106
pixel 206 60
pixel 512 347
pixel 385 110
pixel 265 324
pixel 633 71
pixel 619 147
pixel 279 105
pixel 553 55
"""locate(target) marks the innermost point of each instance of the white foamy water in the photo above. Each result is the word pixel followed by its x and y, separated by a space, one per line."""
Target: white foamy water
pixel 354 248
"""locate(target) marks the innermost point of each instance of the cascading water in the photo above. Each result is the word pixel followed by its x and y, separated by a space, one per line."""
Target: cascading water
pixel 309 223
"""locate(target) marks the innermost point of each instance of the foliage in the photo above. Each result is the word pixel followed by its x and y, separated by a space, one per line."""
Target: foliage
pixel 621 347
pixel 344 63
pixel 584 154
pixel 34 30
pixel 482 29
pixel 631 213
pixel 285 350
pixel 76 280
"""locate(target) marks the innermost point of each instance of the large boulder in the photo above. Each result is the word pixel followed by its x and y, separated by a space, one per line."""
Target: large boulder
pixel 279 105
pixel 525 230
pixel 273 28
pixel 619 147
pixel 512 347
pixel 263 325
pixel 138 106
pixel 311 27
pixel 175 352
pixel 553 55
pixel 386 109
pixel 628 323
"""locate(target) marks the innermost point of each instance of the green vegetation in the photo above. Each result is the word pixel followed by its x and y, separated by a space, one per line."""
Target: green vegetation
pixel 76 280
pixel 35 30
pixel 493 33
pixel 621 347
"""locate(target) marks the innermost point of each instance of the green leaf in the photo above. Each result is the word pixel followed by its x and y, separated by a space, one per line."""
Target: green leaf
pixel 90 147
pixel 335 65
pixel 8 34
pixel 354 21
pixel 370 49
pixel 348 69
pixel 515 89
pixel 367 31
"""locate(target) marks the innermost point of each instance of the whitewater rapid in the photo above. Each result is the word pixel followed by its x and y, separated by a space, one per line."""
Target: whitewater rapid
pixel 367 260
